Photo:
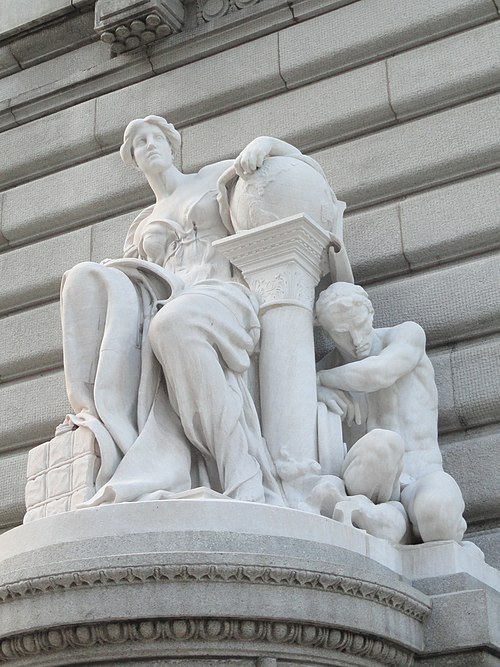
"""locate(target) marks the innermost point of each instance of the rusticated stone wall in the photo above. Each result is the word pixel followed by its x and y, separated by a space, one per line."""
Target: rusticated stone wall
pixel 398 100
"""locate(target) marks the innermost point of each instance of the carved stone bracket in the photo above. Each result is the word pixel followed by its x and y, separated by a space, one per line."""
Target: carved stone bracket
pixel 127 24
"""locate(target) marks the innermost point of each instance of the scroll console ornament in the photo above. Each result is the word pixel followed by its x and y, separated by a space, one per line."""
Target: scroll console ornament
pixel 190 362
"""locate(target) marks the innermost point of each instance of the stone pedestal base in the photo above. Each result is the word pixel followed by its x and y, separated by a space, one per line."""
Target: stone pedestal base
pixel 219 582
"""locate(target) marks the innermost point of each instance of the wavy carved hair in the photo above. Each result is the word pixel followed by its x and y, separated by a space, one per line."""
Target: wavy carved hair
pixel 172 136
pixel 341 297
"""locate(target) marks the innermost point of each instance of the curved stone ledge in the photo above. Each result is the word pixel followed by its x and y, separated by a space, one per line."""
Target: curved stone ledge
pixel 166 637
pixel 253 578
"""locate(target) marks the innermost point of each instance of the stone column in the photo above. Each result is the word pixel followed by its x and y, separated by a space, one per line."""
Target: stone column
pixel 281 264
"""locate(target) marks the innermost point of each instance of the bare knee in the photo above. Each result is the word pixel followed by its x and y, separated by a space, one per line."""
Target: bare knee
pixel 435 506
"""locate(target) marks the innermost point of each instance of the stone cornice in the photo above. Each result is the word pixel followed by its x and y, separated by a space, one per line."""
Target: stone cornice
pixel 254 574
pixel 215 630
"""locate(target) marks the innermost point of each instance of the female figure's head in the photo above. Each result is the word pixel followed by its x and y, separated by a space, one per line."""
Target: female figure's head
pixel 150 144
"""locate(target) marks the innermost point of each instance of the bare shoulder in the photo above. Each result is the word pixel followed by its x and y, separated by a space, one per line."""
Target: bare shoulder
pixel 407 332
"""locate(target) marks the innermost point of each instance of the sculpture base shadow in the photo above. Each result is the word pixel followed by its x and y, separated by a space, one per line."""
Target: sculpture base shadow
pixel 218 582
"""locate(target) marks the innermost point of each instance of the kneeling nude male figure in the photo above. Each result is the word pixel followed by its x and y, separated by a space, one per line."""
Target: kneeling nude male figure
pixel 397 463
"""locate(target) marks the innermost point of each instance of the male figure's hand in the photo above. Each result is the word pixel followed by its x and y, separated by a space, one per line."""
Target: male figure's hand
pixel 340 403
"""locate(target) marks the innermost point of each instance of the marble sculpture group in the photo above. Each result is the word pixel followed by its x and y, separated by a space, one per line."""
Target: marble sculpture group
pixel 192 361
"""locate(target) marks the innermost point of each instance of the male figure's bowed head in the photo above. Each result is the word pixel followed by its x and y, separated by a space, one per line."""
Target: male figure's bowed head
pixel 390 367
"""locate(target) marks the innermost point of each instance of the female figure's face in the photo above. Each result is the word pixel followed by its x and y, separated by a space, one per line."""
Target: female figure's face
pixel 152 152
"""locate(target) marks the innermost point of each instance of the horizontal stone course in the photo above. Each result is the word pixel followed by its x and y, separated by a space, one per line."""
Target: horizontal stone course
pixel 446 71
pixel 322 112
pixel 467 379
pixel 35 270
pixel 33 341
pixel 12 483
pixel 104 187
pixel 438 225
pixel 187 93
pixel 415 155
pixel 452 221
pixel 386 164
pixel 473 459
pixel 36 148
pixel 31 409
pixel 192 96
pixel 52 40
pixel 54 70
pixel 454 302
pixel 18 15
pixel 364 31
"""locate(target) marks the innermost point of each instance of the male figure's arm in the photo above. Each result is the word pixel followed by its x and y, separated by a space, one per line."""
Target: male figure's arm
pixel 404 349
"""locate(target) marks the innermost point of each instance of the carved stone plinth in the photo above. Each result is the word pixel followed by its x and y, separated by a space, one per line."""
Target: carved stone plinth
pixel 220 582
pixel 127 24
pixel 281 262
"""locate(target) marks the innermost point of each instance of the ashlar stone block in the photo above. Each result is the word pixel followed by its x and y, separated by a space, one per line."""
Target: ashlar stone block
pixel 30 409
pixel 473 460
pixel 445 72
pixel 191 93
pixel 374 243
pixel 415 155
pixel 32 341
pixel 104 187
pixel 48 143
pixel 321 113
pixel 432 299
pixel 35 270
pixel 364 31
pixel 452 221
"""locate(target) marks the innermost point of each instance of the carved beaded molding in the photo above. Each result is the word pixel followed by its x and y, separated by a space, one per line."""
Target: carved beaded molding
pixel 208 10
pixel 89 635
pixel 218 573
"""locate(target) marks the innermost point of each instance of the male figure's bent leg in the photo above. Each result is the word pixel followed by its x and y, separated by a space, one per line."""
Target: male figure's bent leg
pixel 373 466
pixel 435 506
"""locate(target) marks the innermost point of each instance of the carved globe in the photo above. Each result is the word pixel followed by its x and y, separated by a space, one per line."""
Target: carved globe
pixel 283 187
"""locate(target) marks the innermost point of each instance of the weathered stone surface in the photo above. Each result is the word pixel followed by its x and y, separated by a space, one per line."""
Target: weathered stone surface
pixel 464 607
pixel 243 73
pixel 48 143
pixel 25 81
pixel 476 381
pixel 374 244
pixel 35 271
pixel 366 30
pixel 24 14
pixel 321 113
pixel 489 542
pixel 450 303
pixel 403 159
pixel 104 187
pixel 33 341
pixel 473 460
pixel 452 221
pixel 31 409
pixel 52 40
pixel 445 72
pixel 108 237
pixel 12 483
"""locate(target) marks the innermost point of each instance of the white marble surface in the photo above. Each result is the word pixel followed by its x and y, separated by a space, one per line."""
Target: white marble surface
pixel 382 382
